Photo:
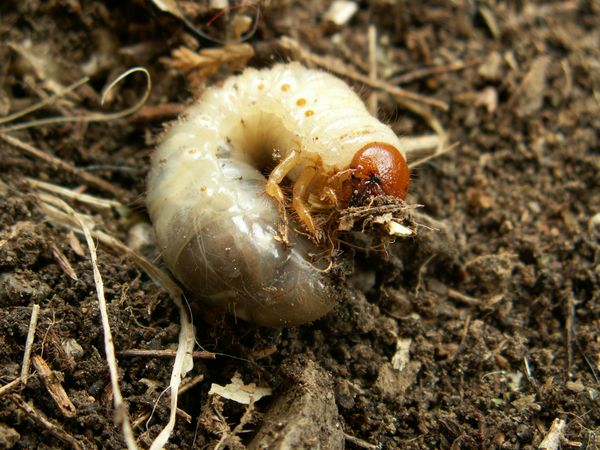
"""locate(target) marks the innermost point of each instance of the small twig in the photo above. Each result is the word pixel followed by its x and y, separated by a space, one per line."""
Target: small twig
pixel 245 418
pixel 424 112
pixel 467 299
pixel 56 88
pixel 533 12
pixel 144 417
pixel 419 143
pixel 440 150
pixel 63 262
pixel 8 387
pixel 39 418
pixel 429 71
pixel 59 163
pixel 569 329
pixel 568 73
pixel 54 387
pixel 531 378
pixel 360 443
pixel 47 101
pixel 153 113
pixel 29 343
pixel 264 352
pixel 421 272
pixel 184 415
pixel 342 69
pixel 136 423
pixel 166 353
pixel 463 338
pixel 90 200
pixel 373 97
pixel 228 437
pixel 186 385
pixel 26 354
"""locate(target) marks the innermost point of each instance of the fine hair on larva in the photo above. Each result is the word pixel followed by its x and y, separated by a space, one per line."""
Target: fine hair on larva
pixel 223 227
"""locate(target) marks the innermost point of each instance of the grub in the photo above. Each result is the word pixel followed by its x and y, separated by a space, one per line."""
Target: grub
pixel 497 291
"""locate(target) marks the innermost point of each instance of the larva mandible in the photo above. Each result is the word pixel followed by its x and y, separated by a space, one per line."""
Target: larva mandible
pixel 218 220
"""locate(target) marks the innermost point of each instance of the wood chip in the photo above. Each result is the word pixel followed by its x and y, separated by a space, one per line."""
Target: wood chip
pixel 529 96
pixel 63 262
pixel 54 387
pixel 554 436
pixel 340 12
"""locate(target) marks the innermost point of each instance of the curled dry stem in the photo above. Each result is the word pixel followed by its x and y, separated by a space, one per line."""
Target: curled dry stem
pixel 88 117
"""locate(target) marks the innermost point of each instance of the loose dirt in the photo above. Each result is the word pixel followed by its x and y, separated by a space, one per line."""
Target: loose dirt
pixel 480 332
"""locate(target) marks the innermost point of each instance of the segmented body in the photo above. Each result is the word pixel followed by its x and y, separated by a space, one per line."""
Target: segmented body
pixel 218 219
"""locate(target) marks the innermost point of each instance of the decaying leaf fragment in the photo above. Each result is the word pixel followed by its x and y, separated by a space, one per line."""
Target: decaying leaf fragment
pixel 240 392
pixel 198 67
pixel 382 211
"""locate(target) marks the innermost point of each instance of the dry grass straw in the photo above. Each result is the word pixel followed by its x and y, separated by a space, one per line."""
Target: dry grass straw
pixel 60 213
pixel 29 343
pixel 88 116
pixel 121 415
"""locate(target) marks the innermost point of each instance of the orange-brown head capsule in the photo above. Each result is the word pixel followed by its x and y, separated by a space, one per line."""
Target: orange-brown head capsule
pixel 380 168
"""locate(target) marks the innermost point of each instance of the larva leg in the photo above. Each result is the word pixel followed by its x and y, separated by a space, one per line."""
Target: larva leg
pixel 299 195
pixel 273 189
pixel 278 174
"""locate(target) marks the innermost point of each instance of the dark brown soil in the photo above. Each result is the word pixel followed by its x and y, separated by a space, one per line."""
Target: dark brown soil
pixel 500 303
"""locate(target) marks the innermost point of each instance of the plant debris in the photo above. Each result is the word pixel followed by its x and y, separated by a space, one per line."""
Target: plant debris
pixel 479 331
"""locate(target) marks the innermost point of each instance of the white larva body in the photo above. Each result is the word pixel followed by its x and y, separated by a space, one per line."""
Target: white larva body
pixel 217 229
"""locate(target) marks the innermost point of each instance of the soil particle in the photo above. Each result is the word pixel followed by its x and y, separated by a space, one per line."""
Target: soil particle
pixel 393 383
pixel 498 293
pixel 8 436
pixel 304 415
